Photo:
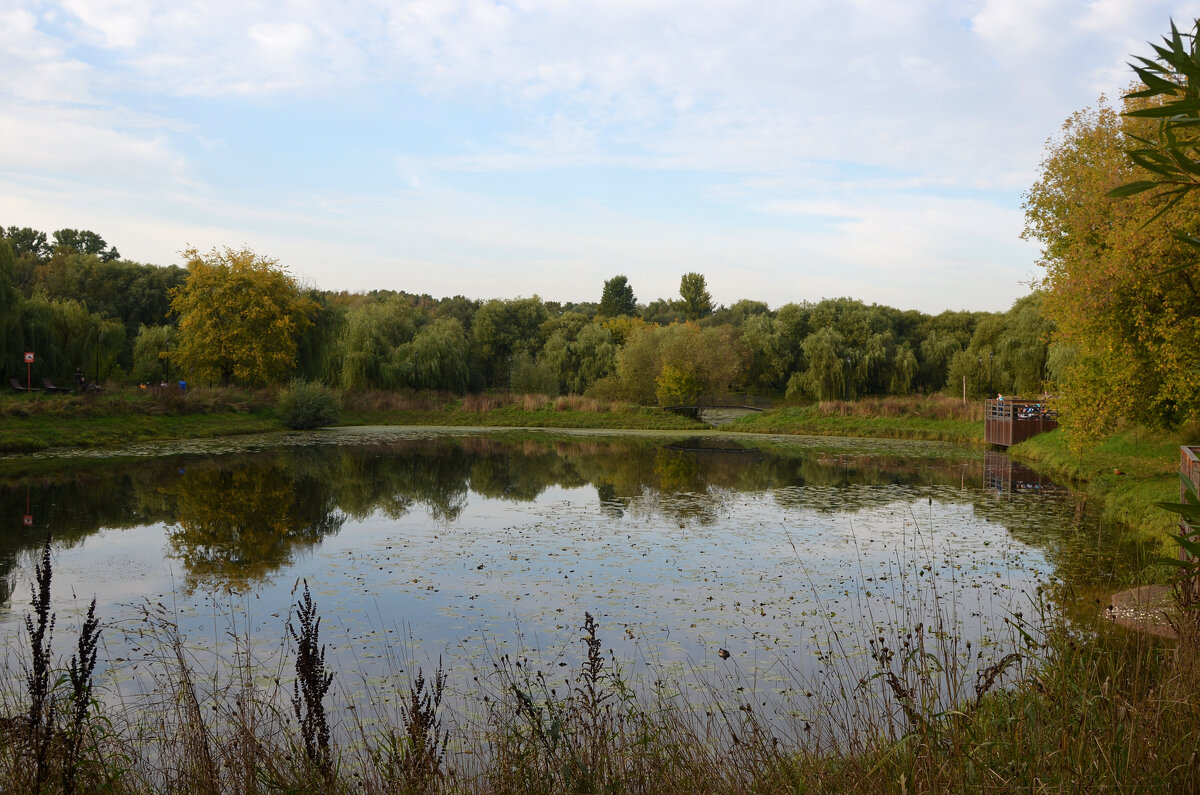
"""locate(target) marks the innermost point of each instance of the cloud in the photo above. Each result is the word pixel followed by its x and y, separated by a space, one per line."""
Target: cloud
pixel 803 147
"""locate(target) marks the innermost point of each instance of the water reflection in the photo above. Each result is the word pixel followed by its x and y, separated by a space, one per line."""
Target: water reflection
pixel 1002 474
pixel 237 523
pixel 233 520
pixel 453 539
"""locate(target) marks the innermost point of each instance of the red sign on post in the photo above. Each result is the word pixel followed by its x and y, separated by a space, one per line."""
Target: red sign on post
pixel 28 358
pixel 27 520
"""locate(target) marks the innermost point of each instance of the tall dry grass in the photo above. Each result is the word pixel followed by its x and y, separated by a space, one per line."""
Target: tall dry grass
pixel 379 400
pixel 937 406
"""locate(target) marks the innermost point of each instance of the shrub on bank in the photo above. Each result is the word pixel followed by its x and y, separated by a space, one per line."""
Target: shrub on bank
pixel 303 405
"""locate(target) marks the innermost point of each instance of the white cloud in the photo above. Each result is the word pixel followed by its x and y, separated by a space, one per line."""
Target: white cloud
pixel 867 114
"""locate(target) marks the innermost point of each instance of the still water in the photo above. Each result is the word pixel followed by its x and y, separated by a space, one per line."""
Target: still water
pixel 467 545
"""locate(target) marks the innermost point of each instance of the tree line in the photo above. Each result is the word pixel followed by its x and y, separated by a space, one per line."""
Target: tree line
pixel 236 317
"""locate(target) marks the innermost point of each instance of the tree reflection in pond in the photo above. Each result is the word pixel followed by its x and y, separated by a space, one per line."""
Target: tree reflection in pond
pixel 235 524
pixel 233 521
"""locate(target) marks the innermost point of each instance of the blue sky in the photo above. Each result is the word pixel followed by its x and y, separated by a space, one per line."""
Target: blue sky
pixel 789 151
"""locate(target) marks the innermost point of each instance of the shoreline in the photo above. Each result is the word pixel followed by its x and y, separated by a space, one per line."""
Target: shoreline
pixel 89 424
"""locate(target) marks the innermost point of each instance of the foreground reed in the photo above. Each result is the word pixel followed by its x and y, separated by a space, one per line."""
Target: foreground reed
pixel 1051 709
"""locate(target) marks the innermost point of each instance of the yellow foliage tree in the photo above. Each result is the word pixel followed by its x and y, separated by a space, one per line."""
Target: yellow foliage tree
pixel 240 316
pixel 1122 290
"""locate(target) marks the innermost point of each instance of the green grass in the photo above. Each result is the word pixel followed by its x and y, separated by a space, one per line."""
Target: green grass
pixel 1128 473
pixel 517 417
pixel 933 418
pixel 29 423
pixel 31 434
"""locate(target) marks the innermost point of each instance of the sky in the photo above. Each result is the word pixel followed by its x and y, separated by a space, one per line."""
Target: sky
pixel 788 151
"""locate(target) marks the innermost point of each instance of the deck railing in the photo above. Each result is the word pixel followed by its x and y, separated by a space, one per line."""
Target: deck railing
pixel 1007 422
pixel 1189 467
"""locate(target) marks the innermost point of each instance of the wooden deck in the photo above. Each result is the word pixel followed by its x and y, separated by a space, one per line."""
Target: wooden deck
pixel 1189 467
pixel 1008 422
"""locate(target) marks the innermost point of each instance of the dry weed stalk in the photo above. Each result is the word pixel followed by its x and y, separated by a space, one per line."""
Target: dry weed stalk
pixel 312 683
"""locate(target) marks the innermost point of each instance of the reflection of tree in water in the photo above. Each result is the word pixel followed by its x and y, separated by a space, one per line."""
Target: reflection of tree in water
pixel 71 506
pixel 234 522
pixel 237 524
pixel 393 478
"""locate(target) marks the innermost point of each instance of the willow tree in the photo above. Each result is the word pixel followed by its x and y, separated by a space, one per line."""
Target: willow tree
pixel 240 315
pixel 10 310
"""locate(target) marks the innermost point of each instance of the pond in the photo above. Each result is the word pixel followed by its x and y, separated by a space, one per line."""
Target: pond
pixel 713 556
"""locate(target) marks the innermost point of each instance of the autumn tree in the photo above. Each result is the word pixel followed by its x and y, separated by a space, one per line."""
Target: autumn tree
pixel 239 318
pixel 1122 290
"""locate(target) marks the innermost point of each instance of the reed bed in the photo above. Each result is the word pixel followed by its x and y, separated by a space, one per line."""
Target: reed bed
pixel 936 406
pixel 378 400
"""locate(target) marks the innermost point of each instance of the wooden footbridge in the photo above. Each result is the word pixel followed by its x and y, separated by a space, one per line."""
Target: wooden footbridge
pixel 1007 422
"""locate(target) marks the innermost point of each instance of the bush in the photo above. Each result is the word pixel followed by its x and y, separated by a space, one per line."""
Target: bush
pixel 306 404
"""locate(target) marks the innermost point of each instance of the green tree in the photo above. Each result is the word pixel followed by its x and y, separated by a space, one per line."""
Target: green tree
pixel 903 372
pixel 438 357
pixel 663 312
pixel 501 329
pixel 86 340
pixel 28 242
pixel 593 356
pixel 769 361
pixel 369 339
pixel 152 354
pixel 240 315
pixel 693 289
pixel 936 351
pixel 830 366
pixel 617 298
pixel 10 312
pixel 1023 347
pixel 84 241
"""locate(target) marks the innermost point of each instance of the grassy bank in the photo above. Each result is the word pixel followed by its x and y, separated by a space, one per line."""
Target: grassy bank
pixel 1128 473
pixel 506 411
pixel 932 418
pixel 103 419
pixel 29 423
